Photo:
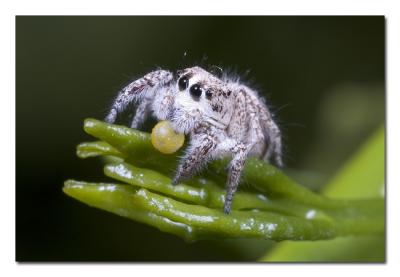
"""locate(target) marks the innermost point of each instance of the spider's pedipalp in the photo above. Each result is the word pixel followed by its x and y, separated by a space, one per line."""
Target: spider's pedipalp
pixel 138 89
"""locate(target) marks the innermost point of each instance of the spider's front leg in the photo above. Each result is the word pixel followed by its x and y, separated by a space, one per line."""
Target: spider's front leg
pixel 140 89
pixel 198 154
pixel 141 114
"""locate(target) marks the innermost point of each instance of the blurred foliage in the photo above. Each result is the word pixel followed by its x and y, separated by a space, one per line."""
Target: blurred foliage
pixel 362 177
pixel 346 116
pixel 323 76
pixel 280 210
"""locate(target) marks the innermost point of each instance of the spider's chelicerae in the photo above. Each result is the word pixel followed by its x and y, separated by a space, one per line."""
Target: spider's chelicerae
pixel 222 117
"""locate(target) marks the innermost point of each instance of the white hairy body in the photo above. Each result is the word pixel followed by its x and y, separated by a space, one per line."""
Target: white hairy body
pixel 222 117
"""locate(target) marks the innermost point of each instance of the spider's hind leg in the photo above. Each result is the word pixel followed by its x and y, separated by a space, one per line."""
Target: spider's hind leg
pixel 138 90
pixel 272 135
pixel 274 143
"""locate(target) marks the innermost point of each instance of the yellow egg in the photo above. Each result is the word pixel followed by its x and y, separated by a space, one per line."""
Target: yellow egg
pixel 164 138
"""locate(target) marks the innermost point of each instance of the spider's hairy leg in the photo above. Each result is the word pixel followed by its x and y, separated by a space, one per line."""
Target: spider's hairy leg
pixel 163 103
pixel 160 104
pixel 239 152
pixel 275 142
pixel 138 89
pixel 141 114
pixel 198 154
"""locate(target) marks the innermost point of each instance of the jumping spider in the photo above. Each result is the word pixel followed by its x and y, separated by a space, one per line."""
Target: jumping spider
pixel 222 117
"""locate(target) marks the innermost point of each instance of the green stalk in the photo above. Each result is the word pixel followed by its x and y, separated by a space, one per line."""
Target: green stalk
pixel 281 209
pixel 117 198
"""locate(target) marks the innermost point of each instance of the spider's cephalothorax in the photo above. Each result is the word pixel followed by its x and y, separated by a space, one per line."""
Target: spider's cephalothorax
pixel 222 117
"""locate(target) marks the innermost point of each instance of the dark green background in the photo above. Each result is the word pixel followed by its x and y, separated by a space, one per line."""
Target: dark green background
pixel 323 76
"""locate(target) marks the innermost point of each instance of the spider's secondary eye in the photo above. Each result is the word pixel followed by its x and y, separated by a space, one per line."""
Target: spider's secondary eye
pixel 208 94
pixel 183 83
pixel 195 90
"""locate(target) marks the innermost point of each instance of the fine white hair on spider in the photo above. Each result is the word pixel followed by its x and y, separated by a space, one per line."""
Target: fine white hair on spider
pixel 222 117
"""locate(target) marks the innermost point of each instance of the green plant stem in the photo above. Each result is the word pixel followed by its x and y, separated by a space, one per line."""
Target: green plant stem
pixel 117 198
pixel 193 222
pixel 294 212
pixel 246 223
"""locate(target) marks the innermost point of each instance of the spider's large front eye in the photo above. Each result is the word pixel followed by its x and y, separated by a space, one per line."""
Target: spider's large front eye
pixel 195 90
pixel 183 83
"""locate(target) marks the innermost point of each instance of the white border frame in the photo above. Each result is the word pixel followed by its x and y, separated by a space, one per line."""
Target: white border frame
pixel 201 7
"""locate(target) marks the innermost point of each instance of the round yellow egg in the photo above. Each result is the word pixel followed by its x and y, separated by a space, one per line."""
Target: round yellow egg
pixel 164 138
